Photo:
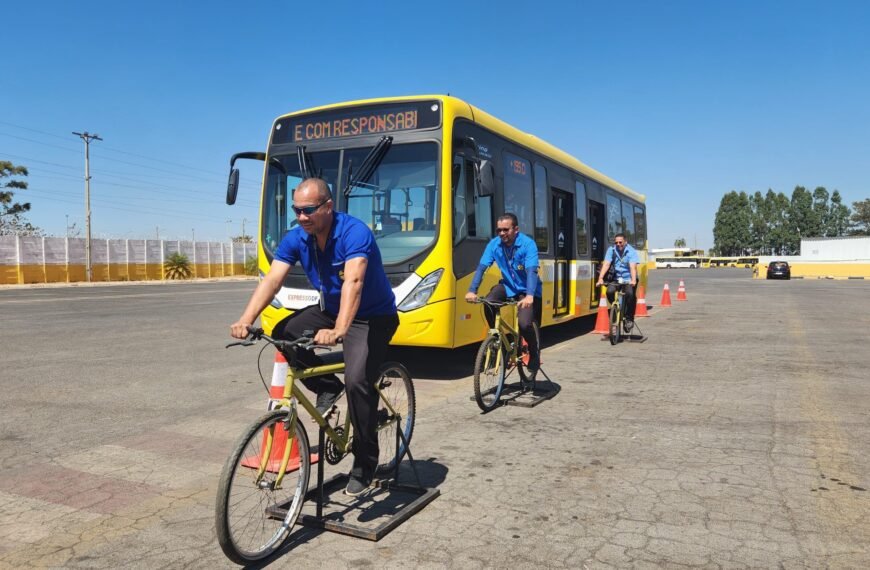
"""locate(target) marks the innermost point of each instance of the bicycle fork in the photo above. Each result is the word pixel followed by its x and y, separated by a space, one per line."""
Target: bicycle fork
pixel 289 425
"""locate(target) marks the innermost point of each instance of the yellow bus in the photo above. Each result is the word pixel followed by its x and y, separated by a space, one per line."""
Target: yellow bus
pixel 430 175
pixel 734 261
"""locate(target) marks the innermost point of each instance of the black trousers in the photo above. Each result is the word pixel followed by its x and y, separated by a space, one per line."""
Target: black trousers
pixel 365 348
pixel 526 316
pixel 630 298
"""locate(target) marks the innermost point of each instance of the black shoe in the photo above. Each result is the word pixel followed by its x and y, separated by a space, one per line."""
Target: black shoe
pixel 534 365
pixel 326 400
pixel 627 325
pixel 358 484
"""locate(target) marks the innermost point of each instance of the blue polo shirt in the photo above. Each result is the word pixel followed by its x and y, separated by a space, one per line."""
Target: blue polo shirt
pixel 621 261
pixel 348 238
pixel 515 263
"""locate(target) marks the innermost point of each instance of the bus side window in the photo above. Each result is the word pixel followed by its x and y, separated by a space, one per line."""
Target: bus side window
pixel 460 207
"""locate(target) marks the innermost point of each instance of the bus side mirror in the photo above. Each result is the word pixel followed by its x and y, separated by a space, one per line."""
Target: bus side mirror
pixel 232 186
pixel 485 173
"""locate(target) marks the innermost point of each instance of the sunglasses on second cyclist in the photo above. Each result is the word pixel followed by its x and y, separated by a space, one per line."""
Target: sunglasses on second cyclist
pixel 308 210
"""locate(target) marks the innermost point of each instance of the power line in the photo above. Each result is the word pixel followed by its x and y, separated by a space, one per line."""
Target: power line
pixel 108 148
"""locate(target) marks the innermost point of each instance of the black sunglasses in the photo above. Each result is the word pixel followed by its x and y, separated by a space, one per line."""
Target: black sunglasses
pixel 308 210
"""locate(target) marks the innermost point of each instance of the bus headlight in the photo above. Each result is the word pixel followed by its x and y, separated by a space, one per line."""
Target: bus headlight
pixel 419 296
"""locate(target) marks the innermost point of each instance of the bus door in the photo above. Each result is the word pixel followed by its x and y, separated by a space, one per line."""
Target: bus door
pixel 598 233
pixel 563 237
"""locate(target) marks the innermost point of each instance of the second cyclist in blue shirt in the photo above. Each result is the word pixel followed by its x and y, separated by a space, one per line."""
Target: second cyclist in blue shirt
pixel 516 255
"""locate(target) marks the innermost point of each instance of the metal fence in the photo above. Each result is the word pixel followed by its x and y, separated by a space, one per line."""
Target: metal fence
pixel 26 259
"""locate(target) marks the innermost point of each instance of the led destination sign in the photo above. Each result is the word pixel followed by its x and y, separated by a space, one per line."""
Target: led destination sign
pixel 370 120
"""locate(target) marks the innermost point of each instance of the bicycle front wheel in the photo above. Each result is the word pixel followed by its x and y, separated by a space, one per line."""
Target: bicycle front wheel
pixel 615 323
pixel 397 410
pixel 254 511
pixel 489 373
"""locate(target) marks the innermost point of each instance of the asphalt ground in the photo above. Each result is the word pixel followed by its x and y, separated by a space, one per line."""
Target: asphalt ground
pixel 737 436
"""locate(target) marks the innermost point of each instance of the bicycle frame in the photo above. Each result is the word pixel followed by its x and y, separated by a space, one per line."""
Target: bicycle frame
pixel 502 328
pixel 293 394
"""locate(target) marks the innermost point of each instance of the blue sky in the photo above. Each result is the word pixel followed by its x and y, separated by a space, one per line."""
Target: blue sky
pixel 679 100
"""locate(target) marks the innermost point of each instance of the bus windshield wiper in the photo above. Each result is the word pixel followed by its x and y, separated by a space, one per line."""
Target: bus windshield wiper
pixel 306 163
pixel 369 165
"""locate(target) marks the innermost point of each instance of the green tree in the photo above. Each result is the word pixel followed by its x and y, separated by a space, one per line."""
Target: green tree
pixel 801 219
pixel 12 220
pixel 731 229
pixel 779 236
pixel 759 227
pixel 177 266
pixel 251 265
pixel 680 242
pixel 838 216
pixel 242 239
pixel 821 211
pixel 860 218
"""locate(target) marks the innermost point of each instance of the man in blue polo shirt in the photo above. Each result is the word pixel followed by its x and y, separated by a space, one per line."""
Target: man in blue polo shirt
pixel 624 259
pixel 516 255
pixel 357 307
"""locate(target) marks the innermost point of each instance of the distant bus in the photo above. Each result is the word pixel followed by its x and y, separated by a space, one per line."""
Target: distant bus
pixel 677 262
pixel 747 262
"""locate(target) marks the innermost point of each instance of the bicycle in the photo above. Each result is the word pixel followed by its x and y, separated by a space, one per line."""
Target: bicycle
pixel 498 355
pixel 270 466
pixel 617 322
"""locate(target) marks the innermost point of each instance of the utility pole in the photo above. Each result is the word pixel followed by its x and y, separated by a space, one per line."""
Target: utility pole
pixel 243 230
pixel 87 137
pixel 229 231
pixel 67 225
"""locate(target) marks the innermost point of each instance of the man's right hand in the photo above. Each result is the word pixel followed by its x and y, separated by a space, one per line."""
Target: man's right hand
pixel 471 297
pixel 600 283
pixel 239 329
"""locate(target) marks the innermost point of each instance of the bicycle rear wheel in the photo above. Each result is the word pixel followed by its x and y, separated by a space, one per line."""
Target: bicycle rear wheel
pixel 248 516
pixel 615 318
pixel 395 386
pixel 489 373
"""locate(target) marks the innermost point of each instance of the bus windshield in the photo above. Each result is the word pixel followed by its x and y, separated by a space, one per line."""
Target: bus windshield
pixel 399 201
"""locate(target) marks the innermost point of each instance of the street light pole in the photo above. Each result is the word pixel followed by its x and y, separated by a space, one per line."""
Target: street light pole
pixel 85 136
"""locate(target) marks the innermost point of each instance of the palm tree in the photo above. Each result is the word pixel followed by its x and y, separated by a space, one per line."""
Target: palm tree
pixel 177 266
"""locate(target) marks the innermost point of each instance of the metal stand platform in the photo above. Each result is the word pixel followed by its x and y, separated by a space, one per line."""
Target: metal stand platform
pixel 632 337
pixel 516 395
pixel 387 499
pixel 519 394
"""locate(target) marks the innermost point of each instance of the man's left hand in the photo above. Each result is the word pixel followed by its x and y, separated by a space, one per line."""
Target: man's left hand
pixel 633 282
pixel 525 302
pixel 328 337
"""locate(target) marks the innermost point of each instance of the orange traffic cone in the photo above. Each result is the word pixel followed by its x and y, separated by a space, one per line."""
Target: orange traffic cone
pixel 279 435
pixel 602 320
pixel 640 306
pixel 681 292
pixel 666 297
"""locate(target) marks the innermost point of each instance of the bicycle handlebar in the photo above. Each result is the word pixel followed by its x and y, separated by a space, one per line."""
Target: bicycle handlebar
pixel 305 341
pixel 481 300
